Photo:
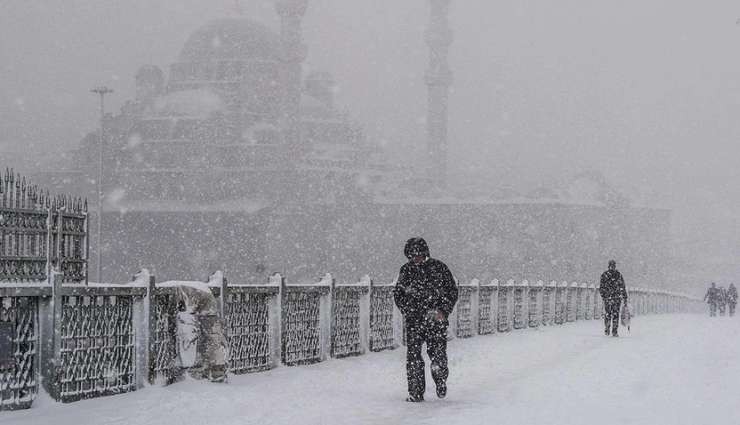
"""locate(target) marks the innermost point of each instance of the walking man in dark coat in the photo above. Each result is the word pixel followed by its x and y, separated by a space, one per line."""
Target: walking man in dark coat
pixel 613 292
pixel 712 298
pixel 426 294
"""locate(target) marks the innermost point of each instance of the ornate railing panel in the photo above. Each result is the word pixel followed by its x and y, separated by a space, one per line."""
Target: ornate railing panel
pixel 37 232
pixel 18 351
pixel 301 339
pixel 23 245
pixel 560 305
pixel 465 326
pixel 547 316
pixel 486 321
pixel 519 300
pixel 97 354
pixel 381 318
pixel 345 330
pixel 69 237
pixel 570 304
pixel 248 331
pixel 503 309
pixel 580 303
pixel 163 355
pixel 534 308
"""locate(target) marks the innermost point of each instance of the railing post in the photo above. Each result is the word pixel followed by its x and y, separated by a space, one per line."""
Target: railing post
pixel 535 308
pixel 548 303
pixel 494 305
pixel 46 337
pixel 53 341
pixel 509 301
pixel 475 306
pixel 223 297
pixel 151 311
pixel 325 315
pixel 523 289
pixel 365 314
pixel 142 321
pixel 275 313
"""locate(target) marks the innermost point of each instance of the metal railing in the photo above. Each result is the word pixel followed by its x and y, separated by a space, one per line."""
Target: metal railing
pixel 39 232
pixel 109 339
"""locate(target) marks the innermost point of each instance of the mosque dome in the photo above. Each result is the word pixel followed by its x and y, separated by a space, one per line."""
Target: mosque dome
pixel 231 39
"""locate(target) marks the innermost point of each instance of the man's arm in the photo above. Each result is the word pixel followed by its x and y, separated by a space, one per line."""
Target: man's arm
pixel 449 293
pixel 399 292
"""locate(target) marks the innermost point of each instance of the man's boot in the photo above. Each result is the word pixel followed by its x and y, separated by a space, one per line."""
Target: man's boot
pixel 415 399
pixel 441 389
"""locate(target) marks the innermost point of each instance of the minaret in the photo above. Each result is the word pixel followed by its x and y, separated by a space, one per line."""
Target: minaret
pixel 438 79
pixel 293 53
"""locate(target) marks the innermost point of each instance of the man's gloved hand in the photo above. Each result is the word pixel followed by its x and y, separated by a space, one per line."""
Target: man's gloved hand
pixel 435 315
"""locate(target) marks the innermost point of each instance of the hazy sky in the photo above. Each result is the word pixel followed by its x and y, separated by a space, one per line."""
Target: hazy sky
pixel 646 91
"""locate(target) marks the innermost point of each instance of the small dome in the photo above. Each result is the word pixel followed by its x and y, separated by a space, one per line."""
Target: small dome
pixel 231 39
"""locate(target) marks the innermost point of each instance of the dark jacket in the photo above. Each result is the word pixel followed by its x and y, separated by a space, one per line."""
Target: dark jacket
pixel 732 295
pixel 712 295
pixel 612 286
pixel 721 296
pixel 424 287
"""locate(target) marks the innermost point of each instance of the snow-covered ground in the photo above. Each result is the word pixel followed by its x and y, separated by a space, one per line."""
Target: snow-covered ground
pixel 675 369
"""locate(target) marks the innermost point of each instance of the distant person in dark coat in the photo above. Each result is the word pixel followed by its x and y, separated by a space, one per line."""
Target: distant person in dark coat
pixel 425 293
pixel 732 298
pixel 721 300
pixel 613 292
pixel 712 298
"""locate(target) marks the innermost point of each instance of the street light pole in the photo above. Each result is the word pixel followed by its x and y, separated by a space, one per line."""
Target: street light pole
pixel 101 91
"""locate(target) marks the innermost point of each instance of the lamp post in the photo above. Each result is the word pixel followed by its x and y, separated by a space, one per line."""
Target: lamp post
pixel 101 91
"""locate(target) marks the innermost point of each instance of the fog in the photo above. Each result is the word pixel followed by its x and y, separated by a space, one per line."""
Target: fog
pixel 647 93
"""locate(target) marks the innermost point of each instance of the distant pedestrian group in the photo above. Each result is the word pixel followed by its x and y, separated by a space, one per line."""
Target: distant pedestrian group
pixel 721 299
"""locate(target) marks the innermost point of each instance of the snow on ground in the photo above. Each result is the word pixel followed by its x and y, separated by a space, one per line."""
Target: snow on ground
pixel 675 369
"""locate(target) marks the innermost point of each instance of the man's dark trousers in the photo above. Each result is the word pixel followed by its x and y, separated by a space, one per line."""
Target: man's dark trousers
pixel 434 334
pixel 611 307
